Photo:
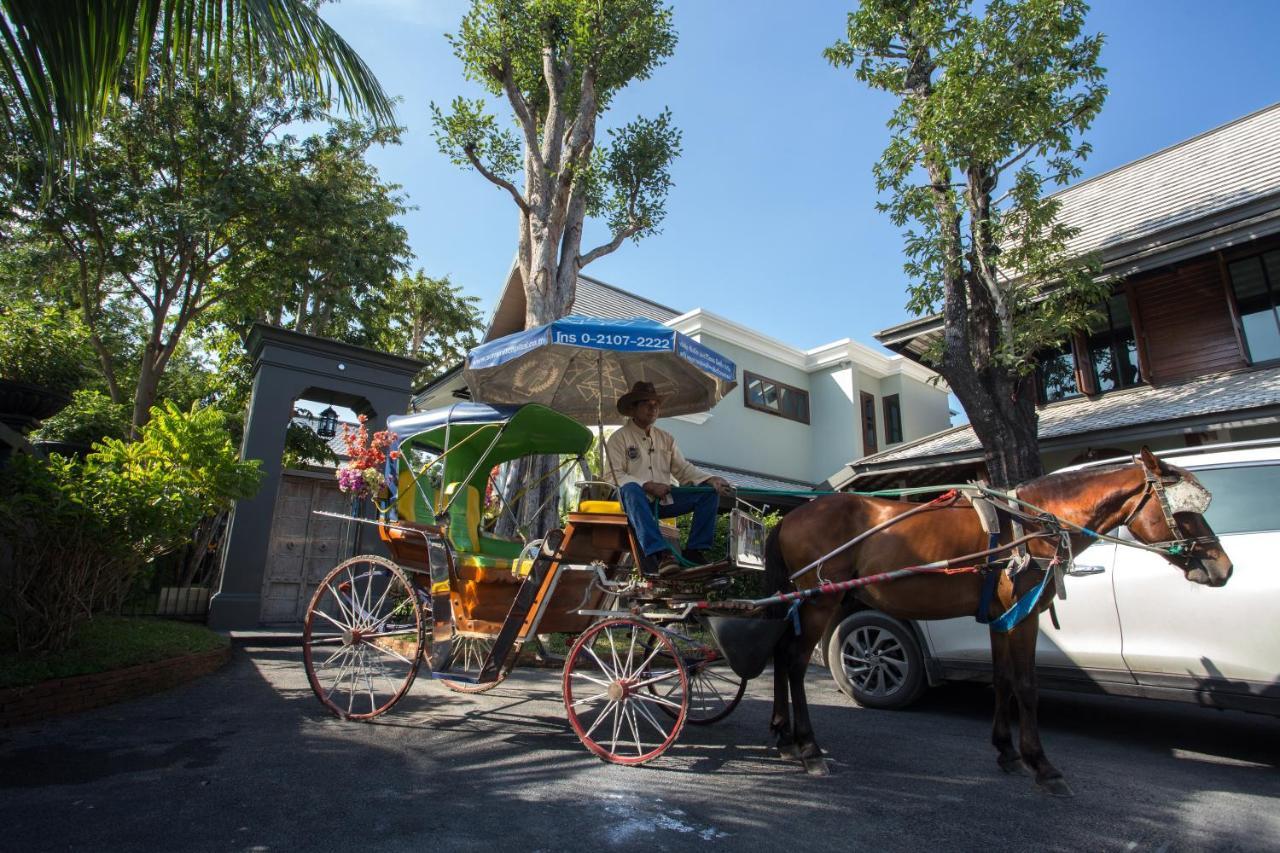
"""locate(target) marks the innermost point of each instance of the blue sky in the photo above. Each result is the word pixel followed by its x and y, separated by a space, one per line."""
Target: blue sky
pixel 771 222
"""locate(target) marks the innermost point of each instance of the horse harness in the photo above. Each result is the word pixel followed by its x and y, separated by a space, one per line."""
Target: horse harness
pixel 1185 497
pixel 990 511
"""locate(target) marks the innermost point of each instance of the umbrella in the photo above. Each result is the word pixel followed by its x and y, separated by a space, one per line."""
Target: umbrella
pixel 579 366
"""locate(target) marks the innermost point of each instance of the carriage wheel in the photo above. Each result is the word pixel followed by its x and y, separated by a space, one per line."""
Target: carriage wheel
pixel 608 680
pixel 714 688
pixel 469 654
pixel 363 639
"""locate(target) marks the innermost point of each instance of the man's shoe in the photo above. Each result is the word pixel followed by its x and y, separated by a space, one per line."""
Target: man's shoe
pixel 668 565
pixel 696 556
pixel 649 565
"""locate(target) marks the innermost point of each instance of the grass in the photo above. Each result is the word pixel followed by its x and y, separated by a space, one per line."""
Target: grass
pixel 110 642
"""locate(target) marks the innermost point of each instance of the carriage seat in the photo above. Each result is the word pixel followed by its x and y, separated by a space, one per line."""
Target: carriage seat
pixel 601 507
pixel 478 557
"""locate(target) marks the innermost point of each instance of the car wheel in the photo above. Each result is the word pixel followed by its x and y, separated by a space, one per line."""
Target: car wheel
pixel 876 661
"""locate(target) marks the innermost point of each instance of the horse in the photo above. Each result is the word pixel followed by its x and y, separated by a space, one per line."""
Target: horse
pixel 1161 504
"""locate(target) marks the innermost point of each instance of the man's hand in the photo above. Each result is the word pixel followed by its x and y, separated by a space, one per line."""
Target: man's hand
pixel 721 485
pixel 657 490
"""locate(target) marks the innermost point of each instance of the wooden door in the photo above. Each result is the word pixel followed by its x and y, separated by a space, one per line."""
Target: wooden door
pixel 304 546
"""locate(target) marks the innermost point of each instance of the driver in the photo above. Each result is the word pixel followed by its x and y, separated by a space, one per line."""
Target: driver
pixel 644 462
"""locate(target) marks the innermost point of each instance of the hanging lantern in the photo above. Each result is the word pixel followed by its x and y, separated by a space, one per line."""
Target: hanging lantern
pixel 328 427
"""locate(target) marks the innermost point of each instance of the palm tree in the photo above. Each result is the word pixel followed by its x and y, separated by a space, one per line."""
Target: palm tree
pixel 62 60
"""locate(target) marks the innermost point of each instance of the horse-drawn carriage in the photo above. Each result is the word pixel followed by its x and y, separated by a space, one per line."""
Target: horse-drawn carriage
pixel 466 602
pixel 649 655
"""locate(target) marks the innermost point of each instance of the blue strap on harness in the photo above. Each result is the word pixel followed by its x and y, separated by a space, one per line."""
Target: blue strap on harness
pixel 794 615
pixel 1022 607
pixel 989 580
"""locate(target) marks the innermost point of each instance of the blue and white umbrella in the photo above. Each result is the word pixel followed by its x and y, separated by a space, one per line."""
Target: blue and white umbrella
pixel 580 366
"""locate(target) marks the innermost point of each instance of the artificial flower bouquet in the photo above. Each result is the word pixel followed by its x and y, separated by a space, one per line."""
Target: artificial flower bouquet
pixel 361 475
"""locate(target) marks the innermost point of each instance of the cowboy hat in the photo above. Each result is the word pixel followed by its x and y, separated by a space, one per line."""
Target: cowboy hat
pixel 639 391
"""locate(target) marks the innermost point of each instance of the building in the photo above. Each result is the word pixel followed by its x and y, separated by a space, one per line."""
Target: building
pixel 1190 353
pixel 796 415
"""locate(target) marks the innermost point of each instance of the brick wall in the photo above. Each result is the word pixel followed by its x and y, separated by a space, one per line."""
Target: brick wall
pixel 82 692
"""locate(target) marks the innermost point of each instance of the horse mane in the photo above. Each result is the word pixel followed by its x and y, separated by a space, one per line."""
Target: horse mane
pixel 1058 478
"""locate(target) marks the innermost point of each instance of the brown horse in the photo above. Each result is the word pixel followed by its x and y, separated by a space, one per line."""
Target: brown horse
pixel 1157 502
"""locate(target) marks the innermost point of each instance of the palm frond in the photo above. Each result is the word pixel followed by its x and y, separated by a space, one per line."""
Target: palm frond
pixel 62 59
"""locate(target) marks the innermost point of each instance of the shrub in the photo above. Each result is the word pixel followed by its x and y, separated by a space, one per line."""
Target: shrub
pixel 42 346
pixel 74 534
pixel 90 418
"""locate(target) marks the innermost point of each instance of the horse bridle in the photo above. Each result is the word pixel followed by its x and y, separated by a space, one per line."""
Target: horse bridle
pixel 1180 545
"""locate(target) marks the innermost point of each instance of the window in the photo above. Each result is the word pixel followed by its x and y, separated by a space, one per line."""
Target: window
pixel 1113 350
pixel 1256 283
pixel 768 395
pixel 868 403
pixel 892 419
pixel 1056 375
pixel 1243 497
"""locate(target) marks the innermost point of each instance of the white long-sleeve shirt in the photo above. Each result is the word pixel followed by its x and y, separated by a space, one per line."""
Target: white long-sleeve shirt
pixel 634 456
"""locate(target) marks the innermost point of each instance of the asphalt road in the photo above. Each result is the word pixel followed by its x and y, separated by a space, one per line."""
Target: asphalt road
pixel 247 760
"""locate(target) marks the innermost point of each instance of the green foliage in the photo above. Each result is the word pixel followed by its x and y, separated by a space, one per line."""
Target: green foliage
pixel 427 318
pixel 107 643
pixel 559 64
pixel 65 66
pixel 91 417
pixel 42 346
pixel 1000 91
pixel 110 514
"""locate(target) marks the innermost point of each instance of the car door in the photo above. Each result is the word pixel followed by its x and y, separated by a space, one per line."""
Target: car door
pixel 1087 646
pixel 1179 634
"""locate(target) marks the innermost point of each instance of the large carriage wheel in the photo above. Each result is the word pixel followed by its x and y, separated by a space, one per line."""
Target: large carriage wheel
pixel 469 654
pixel 608 677
pixel 364 638
pixel 714 688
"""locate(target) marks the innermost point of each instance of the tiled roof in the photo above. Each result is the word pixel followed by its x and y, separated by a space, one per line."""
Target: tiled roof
pixel 1185 200
pixel 1231 393
pixel 1223 168
pixel 597 299
pixel 751 480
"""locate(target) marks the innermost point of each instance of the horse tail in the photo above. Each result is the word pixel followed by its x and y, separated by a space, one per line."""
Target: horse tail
pixel 775 569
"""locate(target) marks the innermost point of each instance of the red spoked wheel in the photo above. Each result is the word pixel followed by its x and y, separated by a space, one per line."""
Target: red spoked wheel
pixel 714 688
pixel 469 654
pixel 620 677
pixel 364 638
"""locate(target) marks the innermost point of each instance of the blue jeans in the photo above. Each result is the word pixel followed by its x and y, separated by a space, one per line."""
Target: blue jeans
pixel 639 510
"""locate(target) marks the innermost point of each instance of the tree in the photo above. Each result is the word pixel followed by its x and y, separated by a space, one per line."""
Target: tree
pixel 334 246
pixel 64 60
pixel 558 64
pixel 429 319
pixel 191 204
pixel 988 94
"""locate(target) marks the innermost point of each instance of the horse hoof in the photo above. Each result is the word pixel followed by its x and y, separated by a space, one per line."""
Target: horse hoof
pixel 816 766
pixel 1056 787
pixel 789 751
pixel 1013 766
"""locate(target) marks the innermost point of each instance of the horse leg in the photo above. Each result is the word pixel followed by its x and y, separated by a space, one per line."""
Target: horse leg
pixel 1001 730
pixel 809 751
pixel 1022 652
pixel 780 722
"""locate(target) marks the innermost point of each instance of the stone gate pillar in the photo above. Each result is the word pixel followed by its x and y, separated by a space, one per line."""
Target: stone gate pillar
pixel 288 366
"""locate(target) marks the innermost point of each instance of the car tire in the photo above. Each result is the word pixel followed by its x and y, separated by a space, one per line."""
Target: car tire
pixel 876 661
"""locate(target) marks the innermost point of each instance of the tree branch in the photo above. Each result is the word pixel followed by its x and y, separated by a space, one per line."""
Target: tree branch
pixel 600 251
pixel 497 180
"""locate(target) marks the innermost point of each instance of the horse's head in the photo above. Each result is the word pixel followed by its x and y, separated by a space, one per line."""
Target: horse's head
pixel 1169 513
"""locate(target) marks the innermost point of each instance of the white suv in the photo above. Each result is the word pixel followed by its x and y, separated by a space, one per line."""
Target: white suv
pixel 1131 624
